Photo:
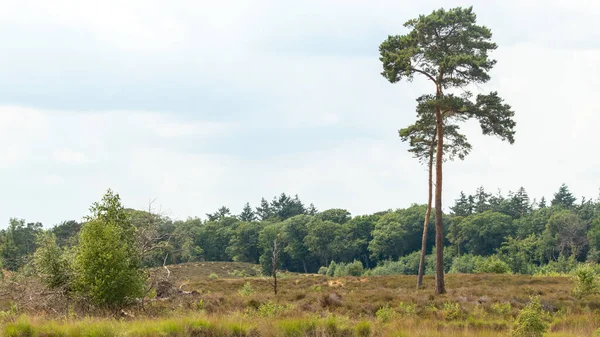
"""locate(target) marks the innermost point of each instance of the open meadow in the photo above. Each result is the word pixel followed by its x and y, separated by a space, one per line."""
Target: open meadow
pixel 218 299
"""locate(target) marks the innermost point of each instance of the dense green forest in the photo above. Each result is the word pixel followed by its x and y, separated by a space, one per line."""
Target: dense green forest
pixel 504 233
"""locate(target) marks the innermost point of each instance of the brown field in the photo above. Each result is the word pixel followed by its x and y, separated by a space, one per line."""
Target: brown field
pixel 315 305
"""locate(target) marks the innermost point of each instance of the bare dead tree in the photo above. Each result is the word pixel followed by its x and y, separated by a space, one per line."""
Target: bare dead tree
pixel 274 265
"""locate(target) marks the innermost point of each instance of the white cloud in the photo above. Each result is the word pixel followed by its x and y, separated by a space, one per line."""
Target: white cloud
pixel 68 156
pixel 298 64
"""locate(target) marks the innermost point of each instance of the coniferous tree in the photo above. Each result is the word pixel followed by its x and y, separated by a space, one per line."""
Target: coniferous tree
pixel 247 214
pixel 451 51
pixel 264 211
pixel 563 198
pixel 463 206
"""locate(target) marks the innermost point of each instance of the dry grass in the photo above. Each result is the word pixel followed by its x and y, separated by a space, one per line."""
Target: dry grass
pixel 316 305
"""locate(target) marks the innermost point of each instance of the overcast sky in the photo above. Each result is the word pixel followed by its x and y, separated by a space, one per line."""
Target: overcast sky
pixel 209 103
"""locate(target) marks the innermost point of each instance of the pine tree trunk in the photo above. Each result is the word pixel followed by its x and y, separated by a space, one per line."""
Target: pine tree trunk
pixel 427 216
pixel 440 287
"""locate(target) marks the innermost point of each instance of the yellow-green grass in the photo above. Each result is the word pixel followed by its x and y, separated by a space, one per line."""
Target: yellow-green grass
pixel 238 325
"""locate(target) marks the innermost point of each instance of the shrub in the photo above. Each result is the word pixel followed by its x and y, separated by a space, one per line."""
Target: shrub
pixel 452 311
pixel 501 308
pixel 385 314
pixel 406 265
pixel 355 268
pixel 532 320
pixel 586 282
pixel 407 308
pixel 331 269
pixel 561 266
pixel 213 276
pixel 107 262
pixel 246 290
pixel 51 263
pixel 492 265
pixel 465 264
pixel 323 270
pixel 270 309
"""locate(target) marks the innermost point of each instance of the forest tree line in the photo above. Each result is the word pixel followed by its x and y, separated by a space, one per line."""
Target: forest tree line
pixel 526 236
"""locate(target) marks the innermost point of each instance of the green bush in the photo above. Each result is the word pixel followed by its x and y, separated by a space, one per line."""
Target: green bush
pixel 52 264
pixel 452 311
pixel 406 265
pixel 532 320
pixel 247 290
pixel 323 270
pixel 465 264
pixel 355 268
pixel 385 314
pixel 563 265
pixel 213 276
pixel 492 265
pixel 331 269
pixel 107 262
pixel 349 269
pixel 586 282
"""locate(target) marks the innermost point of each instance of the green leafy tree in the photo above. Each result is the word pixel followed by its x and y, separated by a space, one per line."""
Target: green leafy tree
pixel 19 243
pixel 66 233
pixel 485 232
pixel 448 48
pixel 295 230
pixel 520 255
pixel 243 244
pixel 565 234
pixel 107 261
pixel 361 228
pixel 398 233
pixel 214 237
pixel 328 241
pixel 52 264
pixel 268 236
pixel 337 215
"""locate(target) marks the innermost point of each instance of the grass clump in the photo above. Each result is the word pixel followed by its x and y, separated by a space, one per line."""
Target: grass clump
pixel 532 320
pixel 213 276
pixel 363 329
pixel 298 327
pixel 20 328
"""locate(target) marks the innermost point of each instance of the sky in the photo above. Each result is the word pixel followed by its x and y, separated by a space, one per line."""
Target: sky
pixel 201 104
